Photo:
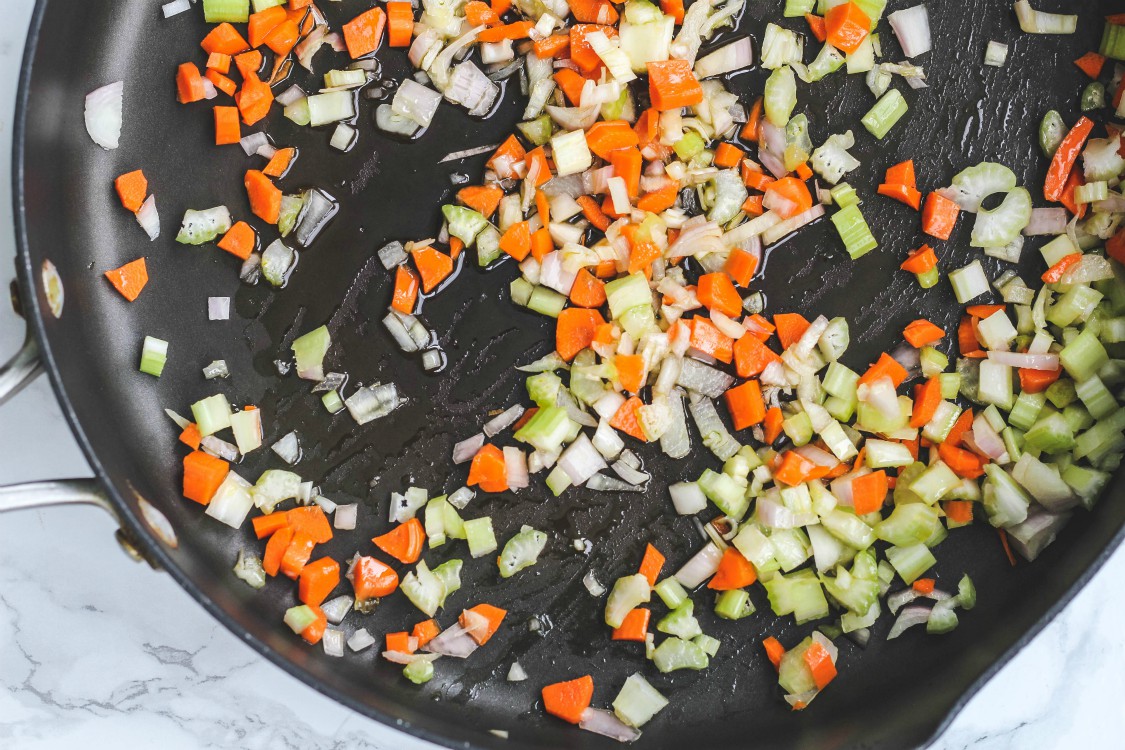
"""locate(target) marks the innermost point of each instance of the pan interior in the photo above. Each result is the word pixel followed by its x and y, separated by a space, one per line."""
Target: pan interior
pixel 889 695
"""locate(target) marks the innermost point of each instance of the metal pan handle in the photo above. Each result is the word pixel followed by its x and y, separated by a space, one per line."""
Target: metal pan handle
pixel 21 369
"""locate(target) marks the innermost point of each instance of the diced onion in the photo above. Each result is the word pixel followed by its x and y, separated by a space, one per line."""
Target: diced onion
pixel 912 27
pixel 606 723
pixel 175 8
pixel 148 218
pixel 218 308
pixel 1046 362
pixel 467 448
pixel 103 114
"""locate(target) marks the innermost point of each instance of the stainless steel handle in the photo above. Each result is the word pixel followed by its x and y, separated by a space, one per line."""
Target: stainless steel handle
pixel 21 369
pixel 31 495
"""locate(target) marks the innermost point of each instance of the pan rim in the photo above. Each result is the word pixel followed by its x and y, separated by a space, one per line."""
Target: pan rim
pixel 33 314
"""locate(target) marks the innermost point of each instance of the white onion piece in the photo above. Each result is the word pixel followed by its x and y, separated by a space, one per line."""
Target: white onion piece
pixel 502 421
pixel 515 466
pixel 772 513
pixel 987 439
pixel 218 308
pixel 360 640
pixel 516 673
pixel 909 617
pixel 1048 362
pixel 309 46
pixel 581 460
pixel 1039 529
pixel 288 448
pixel 454 641
pixel 219 448
pixel 734 56
pixel 817 456
pixel 1037 22
pixel 467 448
pixel 700 567
pixel 148 218
pixel 345 517
pixel 592 585
pixel 1046 221
pixel 606 723
pixel 881 394
pixel 209 90
pixel 252 142
pixel 727 326
pixel 466 153
pixel 912 27
pixel 103 114
pixel 175 8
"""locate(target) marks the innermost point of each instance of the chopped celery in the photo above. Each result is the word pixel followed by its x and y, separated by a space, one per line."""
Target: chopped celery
pixel 546 301
pixel 844 195
pixel 521 551
pixel 424 589
pixel 911 561
pixel 1113 41
pixel 1050 433
pixel 848 528
pixel 419 671
pixel 638 701
pixel 793 673
pixel 780 96
pixel 1096 397
pixel 908 524
pixel 1004 500
pixel 627 292
pixel 299 618
pixel 942 618
pixel 689 146
pixel 798 8
pixel 671 592
pixel 798 427
pixel 676 653
pixel 231 11
pixel 211 414
pixel 886 112
pixel 840 381
pixel 724 492
pixel 1083 356
pixel 883 454
pixel 756 547
pixel 996 385
pixel 199 227
pixel 799 594
pixel 488 245
pixel 854 231
pixel 709 645
pixel 538 131
pixel 449 574
pixel 154 353
pixel 966 592
pixel 734 604
pixel 332 401
pixel 1026 409
pixel 309 351
pixel 1086 483
pixel 557 481
pixel 464 223
pixel 627 593
pixel 546 430
pixel 680 622
pixel 479 535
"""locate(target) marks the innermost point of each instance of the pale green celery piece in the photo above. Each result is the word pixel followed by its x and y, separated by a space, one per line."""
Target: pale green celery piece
pixel 887 111
pixel 675 653
pixel 912 561
pixel 734 604
pixel 680 622
pixel 479 534
pixel 671 592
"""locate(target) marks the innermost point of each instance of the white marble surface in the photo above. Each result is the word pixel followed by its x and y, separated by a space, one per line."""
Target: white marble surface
pixel 84 661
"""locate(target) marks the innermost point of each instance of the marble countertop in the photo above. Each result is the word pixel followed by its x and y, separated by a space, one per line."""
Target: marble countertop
pixel 86 661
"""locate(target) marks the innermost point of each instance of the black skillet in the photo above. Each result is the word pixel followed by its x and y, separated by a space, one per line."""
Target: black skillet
pixel 889 695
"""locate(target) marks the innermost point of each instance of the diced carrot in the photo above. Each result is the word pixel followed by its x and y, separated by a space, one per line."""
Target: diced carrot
pixel 406 290
pixel 240 240
pixel 552 46
pixel 227 128
pixel 132 189
pixel 399 642
pixel 790 328
pixel 488 470
pixel 902 193
pixel 709 340
pixel 939 216
pixel 275 549
pixel 804 171
pixel 922 332
pixel 219 62
pixel 426 630
pixel 795 192
pixel 363 33
pixel 311 520
pixel 283 37
pixel 372 579
pixel 248 63
pixel 542 208
pixel 728 156
pixel 433 266
pixel 317 580
pixel 203 474
pixel 400 23
pixel 672 84
pixel 1065 155
pixel 1073 182
pixel 774 651
pixel 189 83
pixel 794 469
pixel 1091 64
pixel 538 168
pixel 254 99
pixel 593 11
pixel 129 279
pixel 651 564
pixel 967 341
pixel 927 398
pixel 634 627
pixel 191 438
pixel 516 242
pixel 568 700
pixel 983 311
pixel 716 292
pixel 846 26
pixel 627 164
pixel 575 330
pixel 741 265
pixel 921 260
pixel 963 424
pixel 280 162
pixel 494 616
pixel 745 403
pixel 753 205
pixel 647 127
pixel 773 422
pixel 673 8
pixel 500 7
pixel 964 464
pixel 627 420
pixel 268 524
pixel 516 30
pixel 630 371
pixel 869 491
pixel 1037 381
pixel 221 82
pixel 959 511
pixel 817 26
pixel 265 197
pixel 659 200
pixel 734 572
pixel 749 131
pixel 541 243
pixel 581 53
pixel 593 212
pixel 263 22
pixel 403 542
pixel 481 14
pixel 481 198
pixel 751 356
pixel 886 366
pixel 607 136
pixel 587 290
pixel 817 658
pixel 315 632
pixel 297 554
pixel 571 84
pixel 505 158
pixel 1054 274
